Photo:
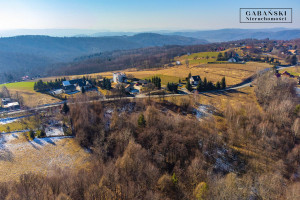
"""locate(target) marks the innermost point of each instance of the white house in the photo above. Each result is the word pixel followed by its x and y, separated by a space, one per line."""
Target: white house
pixel 178 63
pixel 119 77
pixel 194 80
pixel 232 60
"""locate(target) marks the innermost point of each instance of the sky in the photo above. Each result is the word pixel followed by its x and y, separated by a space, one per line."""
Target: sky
pixel 135 15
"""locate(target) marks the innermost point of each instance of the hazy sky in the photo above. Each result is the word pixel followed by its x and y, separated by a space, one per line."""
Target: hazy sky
pixel 135 15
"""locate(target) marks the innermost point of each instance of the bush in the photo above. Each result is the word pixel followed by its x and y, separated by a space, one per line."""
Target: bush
pixel 30 135
pixel 40 134
pixel 141 121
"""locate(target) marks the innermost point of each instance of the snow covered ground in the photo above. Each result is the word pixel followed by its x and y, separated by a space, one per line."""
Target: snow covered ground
pixel 54 131
pixel 203 111
pixel 4 121
pixel 42 155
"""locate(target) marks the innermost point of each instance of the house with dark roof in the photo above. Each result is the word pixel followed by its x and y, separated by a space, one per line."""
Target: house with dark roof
pixel 69 89
pixel 76 84
pixel 194 80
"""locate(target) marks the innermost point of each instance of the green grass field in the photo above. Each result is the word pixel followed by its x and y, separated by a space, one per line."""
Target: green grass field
pixel 199 58
pixel 18 125
pixel 165 79
pixel 294 71
pixel 19 85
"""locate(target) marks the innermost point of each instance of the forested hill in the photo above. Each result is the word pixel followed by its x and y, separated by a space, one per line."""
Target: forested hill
pixel 237 34
pixel 31 54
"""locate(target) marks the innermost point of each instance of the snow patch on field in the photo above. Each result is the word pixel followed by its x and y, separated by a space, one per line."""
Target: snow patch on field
pixel 4 121
pixel 41 155
pixel 54 131
pixel 203 111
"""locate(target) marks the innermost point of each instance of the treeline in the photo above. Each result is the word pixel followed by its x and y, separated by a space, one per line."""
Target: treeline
pixel 225 57
pixel 206 85
pixel 105 84
pixel 41 86
pixel 156 81
pixel 172 87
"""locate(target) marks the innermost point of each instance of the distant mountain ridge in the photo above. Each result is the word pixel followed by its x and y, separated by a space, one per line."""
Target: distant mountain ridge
pixel 224 35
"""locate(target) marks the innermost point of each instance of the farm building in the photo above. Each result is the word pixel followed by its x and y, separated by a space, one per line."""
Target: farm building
pixel 9 104
pixel 293 52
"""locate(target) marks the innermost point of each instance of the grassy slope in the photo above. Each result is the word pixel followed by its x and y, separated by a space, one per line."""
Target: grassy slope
pixel 294 71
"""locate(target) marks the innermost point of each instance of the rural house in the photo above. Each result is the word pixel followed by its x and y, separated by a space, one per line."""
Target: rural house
pixel 194 80
pixel 232 60
pixel 293 52
pixel 76 84
pixel 119 77
pixel 9 104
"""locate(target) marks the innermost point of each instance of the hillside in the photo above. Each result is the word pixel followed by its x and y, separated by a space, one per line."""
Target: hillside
pixel 28 54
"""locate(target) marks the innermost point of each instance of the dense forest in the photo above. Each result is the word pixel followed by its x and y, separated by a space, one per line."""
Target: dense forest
pixel 148 154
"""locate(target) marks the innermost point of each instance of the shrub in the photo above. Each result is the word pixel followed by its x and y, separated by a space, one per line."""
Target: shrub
pixel 40 134
pixel 141 120
pixel 30 135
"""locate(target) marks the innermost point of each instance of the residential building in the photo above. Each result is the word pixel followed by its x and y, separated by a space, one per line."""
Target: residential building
pixel 194 80
pixel 232 60
pixel 119 77
pixel 76 84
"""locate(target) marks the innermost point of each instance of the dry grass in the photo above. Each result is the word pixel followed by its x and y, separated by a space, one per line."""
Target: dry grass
pixel 220 100
pixel 234 73
pixel 17 156
pixel 31 98
pixel 292 70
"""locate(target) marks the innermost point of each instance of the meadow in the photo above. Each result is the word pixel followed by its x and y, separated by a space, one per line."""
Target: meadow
pixel 234 73
pixel 30 97
pixel 293 70
pixel 198 58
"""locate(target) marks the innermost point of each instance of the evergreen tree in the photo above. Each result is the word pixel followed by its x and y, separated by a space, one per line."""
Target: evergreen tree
pixel 204 84
pixel 82 90
pixel 226 56
pixel 294 60
pixel 200 86
pixel 190 75
pixel 210 86
pixel 220 57
pixel 65 109
pixel 218 85
pixel 172 87
pixel 188 86
pixel 159 84
pixel 223 83
pixel 141 120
